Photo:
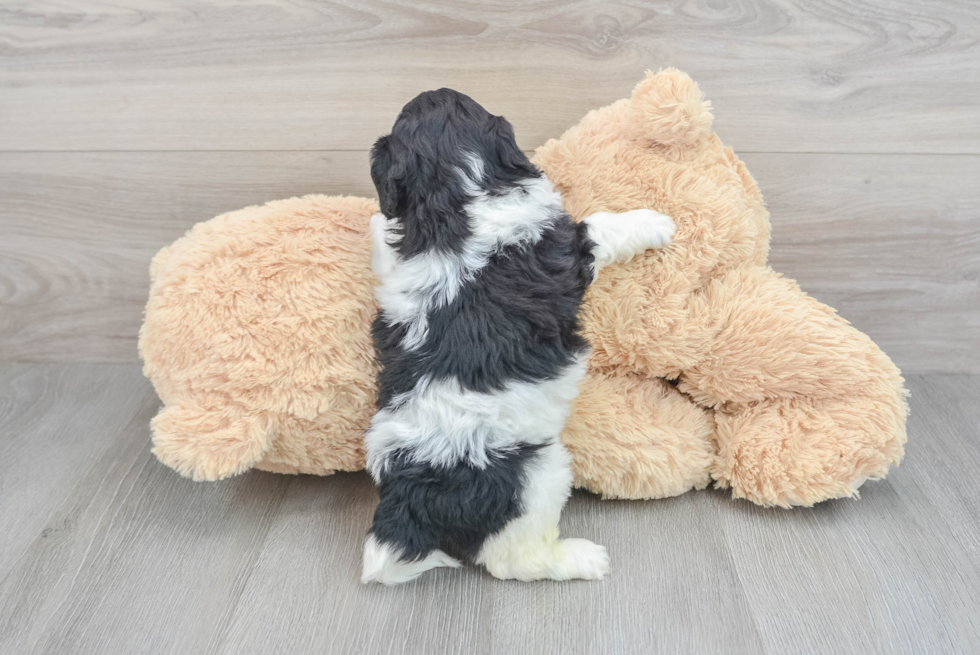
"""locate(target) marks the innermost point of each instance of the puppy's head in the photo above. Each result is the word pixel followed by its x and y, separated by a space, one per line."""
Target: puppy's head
pixel 443 150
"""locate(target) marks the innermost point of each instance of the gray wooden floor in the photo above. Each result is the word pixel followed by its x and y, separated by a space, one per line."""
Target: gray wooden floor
pixel 104 550
pixel 124 123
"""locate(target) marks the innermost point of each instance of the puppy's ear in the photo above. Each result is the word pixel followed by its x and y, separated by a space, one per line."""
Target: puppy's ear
pixel 383 174
pixel 508 153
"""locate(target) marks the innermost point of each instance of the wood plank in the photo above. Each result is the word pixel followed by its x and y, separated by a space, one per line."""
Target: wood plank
pixel 164 567
pixel 54 422
pixel 129 557
pixel 892 241
pixel 894 572
pixel 944 431
pixel 820 76
pixel 79 232
pixel 671 571
pixel 121 554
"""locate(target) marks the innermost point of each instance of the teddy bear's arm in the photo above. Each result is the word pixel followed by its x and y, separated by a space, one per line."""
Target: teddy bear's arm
pixel 619 237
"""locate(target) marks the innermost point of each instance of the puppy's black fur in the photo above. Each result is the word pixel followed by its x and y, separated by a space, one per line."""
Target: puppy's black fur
pixel 425 507
pixel 415 168
pixel 517 320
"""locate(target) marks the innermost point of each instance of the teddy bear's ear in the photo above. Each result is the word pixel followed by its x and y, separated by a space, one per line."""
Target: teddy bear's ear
pixel 669 111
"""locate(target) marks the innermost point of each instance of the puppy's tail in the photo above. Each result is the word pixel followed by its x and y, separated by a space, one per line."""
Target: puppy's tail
pixel 383 563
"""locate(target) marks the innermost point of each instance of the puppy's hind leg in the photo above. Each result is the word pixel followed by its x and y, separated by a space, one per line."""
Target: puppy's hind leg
pixel 383 563
pixel 528 547
pixel 619 237
pixel 401 546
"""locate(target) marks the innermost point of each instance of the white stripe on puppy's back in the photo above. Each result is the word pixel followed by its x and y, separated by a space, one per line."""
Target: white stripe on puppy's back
pixel 441 424
pixel 411 288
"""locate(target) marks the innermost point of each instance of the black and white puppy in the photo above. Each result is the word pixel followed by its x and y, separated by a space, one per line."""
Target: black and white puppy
pixel 482 275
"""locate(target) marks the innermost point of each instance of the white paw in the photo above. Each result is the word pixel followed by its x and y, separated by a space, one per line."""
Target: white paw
pixel 585 560
pixel 653 229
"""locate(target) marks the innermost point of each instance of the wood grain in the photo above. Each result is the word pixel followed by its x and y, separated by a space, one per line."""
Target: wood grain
pixel 53 426
pixel 113 553
pixel 892 241
pixel 122 124
pixel 816 76
pixel 79 231
pixel 656 594
pixel 905 566
pixel 124 556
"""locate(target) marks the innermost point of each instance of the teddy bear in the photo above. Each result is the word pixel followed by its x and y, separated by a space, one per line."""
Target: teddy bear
pixel 706 367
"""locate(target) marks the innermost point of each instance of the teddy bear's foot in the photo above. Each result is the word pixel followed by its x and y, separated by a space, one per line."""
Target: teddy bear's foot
pixel 852 491
pixel 801 451
pixel 210 443
pixel 635 437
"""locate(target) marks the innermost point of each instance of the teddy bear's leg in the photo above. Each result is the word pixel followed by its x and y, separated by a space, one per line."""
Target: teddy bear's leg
pixel 802 451
pixel 808 407
pixel 634 437
pixel 213 442
pixel 323 445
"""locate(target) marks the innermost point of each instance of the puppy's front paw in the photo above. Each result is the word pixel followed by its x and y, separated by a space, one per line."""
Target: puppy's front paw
pixel 653 229
pixel 585 560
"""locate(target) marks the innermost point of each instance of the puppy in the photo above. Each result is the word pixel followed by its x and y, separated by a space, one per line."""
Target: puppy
pixel 482 274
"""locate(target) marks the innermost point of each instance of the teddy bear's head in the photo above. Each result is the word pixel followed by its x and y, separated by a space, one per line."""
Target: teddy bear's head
pixel 656 150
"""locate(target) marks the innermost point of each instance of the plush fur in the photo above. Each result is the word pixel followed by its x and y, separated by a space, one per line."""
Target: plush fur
pixel 804 405
pixel 257 332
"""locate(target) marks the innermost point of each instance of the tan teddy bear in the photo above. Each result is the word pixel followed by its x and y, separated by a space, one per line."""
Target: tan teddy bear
pixel 257 340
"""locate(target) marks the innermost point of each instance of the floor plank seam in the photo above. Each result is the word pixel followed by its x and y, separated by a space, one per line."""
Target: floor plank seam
pixel 99 536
